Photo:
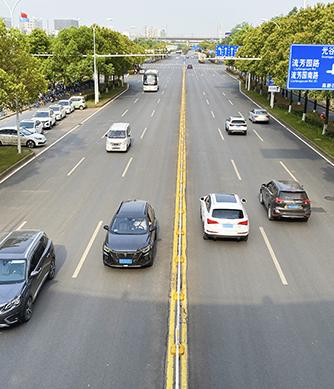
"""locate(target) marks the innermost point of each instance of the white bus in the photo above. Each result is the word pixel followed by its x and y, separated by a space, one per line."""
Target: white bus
pixel 151 81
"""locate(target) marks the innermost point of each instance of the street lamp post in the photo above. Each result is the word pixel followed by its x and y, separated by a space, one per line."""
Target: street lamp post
pixel 12 9
pixel 96 80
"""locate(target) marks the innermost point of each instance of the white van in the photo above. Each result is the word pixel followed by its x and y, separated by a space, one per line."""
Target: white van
pixel 118 137
pixel 78 102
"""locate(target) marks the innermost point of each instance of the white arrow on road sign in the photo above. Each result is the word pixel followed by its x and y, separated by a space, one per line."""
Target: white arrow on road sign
pixel 331 71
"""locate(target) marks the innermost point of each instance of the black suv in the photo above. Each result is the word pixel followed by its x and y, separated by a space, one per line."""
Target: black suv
pixel 286 199
pixel 27 259
pixel 131 237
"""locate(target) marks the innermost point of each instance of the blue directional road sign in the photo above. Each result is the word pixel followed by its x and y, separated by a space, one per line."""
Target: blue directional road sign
pixel 311 67
pixel 226 51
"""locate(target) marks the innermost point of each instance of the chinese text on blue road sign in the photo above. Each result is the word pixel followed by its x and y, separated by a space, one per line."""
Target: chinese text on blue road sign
pixel 311 67
pixel 226 51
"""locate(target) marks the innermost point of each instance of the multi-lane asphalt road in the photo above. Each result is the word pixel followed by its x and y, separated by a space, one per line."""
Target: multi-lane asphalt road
pixel 260 312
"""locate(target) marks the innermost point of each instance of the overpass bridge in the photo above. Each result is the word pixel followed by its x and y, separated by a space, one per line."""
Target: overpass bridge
pixel 192 39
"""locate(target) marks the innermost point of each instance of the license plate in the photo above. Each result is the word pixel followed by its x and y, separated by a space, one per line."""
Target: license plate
pixel 228 225
pixel 293 206
pixel 125 261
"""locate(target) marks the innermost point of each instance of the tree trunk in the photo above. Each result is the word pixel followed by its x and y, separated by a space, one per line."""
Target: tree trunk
pixel 18 133
pixel 299 97
pixel 305 106
pixel 290 101
pixel 325 128
pixel 315 105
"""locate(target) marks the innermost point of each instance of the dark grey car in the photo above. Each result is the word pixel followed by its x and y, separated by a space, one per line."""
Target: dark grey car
pixel 285 199
pixel 27 259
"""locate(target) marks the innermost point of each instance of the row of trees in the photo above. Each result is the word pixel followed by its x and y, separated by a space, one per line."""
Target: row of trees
pixel 66 59
pixel 271 42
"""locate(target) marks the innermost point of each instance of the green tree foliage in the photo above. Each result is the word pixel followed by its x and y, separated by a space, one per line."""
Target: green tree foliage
pixel 20 78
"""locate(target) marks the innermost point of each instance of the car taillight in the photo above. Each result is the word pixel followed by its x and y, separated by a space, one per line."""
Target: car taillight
pixel 307 201
pixel 244 223
pixel 210 221
pixel 279 200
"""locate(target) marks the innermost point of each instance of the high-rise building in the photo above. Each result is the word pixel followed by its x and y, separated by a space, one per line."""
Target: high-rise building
pixel 61 24
pixel 7 21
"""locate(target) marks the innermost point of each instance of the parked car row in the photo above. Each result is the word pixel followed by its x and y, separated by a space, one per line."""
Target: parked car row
pixel 31 130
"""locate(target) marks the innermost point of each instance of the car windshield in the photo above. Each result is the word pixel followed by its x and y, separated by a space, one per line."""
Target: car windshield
pixel 242 122
pixel 27 124
pixel 12 270
pixel 227 214
pixel 116 134
pixel 129 226
pixel 42 114
pixel 150 79
pixel 293 195
pixel 259 112
pixel 64 102
pixel 55 108
pixel 25 132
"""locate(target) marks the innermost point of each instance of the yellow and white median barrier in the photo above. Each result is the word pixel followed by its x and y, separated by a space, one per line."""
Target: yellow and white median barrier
pixel 177 348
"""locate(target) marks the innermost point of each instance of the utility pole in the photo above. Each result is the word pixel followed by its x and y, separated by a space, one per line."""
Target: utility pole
pixel 96 80
pixel 11 10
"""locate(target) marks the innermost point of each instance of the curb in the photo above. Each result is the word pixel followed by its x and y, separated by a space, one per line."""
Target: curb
pixel 17 164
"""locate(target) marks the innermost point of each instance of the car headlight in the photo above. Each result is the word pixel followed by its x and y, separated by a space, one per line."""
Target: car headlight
pixel 12 304
pixel 106 249
pixel 146 250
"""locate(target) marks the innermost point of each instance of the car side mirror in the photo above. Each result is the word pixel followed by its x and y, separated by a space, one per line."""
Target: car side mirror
pixel 152 228
pixel 106 227
pixel 243 201
pixel 35 273
pixel 106 135
pixel 202 198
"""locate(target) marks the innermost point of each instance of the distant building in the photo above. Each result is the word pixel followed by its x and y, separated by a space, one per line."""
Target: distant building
pixel 154 32
pixel 7 21
pixel 61 24
pixel 29 24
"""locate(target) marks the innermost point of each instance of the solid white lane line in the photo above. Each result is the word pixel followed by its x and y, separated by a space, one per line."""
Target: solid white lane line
pixel 86 252
pixel 136 101
pixel 213 114
pixel 207 101
pixel 143 133
pixel 152 114
pixel 256 133
pixel 22 225
pixel 77 165
pixel 127 167
pixel 288 171
pixel 158 102
pixel 236 169
pixel 240 114
pixel 221 134
pixel 273 257
pixel 230 102
pixel 125 112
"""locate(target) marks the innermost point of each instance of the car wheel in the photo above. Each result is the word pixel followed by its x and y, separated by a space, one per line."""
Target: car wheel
pixel 81 107
pixel 229 132
pixel 27 310
pixel 30 144
pixel 270 213
pixel 245 238
pixel 52 271
pixel 261 197
pixel 305 219
pixel 205 236
pixel 0 143
pixel 245 132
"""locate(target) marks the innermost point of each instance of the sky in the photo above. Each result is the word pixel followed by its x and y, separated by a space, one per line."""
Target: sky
pixel 178 17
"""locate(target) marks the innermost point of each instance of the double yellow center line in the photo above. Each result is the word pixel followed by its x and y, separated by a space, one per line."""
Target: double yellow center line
pixel 177 348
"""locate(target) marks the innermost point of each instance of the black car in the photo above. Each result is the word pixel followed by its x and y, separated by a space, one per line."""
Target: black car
pixel 285 199
pixel 189 66
pixel 131 237
pixel 27 259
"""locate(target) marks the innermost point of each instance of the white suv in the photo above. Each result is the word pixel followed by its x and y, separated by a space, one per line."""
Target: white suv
pixel 224 216
pixel 47 117
pixel 236 124
pixel 67 104
pixel 78 102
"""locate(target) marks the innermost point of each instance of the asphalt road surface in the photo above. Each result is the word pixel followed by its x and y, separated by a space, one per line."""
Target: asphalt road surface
pixel 107 328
